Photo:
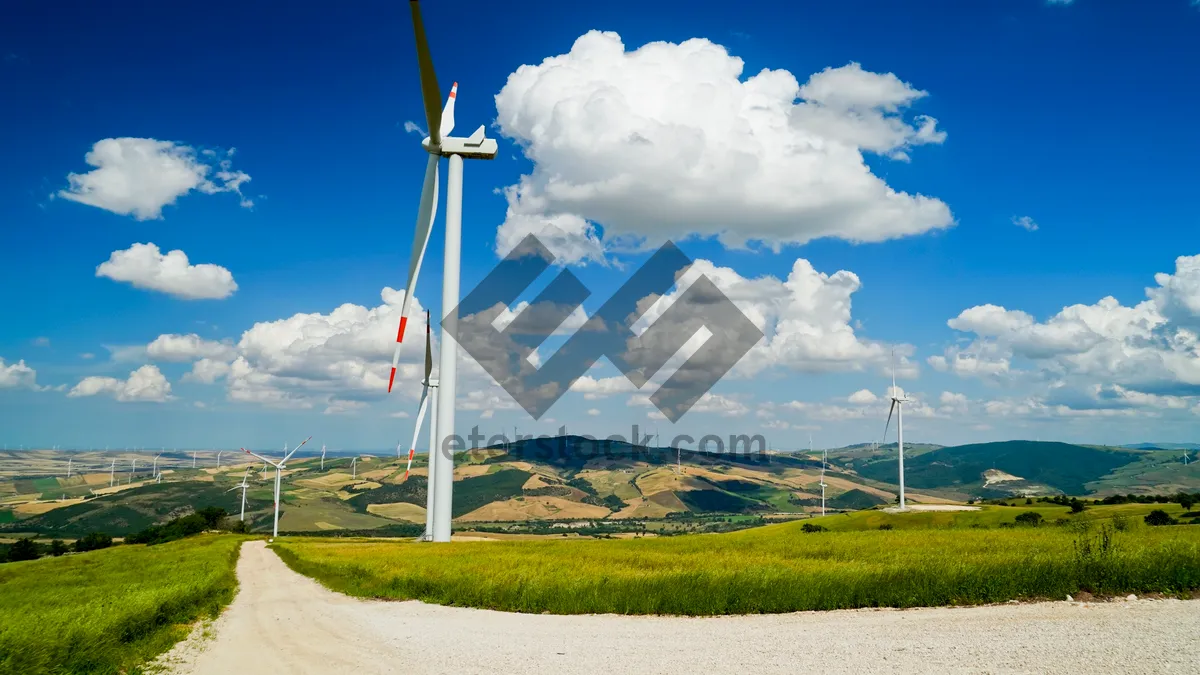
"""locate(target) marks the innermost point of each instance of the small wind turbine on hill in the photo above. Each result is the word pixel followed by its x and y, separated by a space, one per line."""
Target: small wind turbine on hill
pixel 132 469
pixel 219 453
pixel 112 472
pixel 440 144
pixel 278 477
pixel 243 485
pixel 898 400
pixel 193 459
pixel 353 467
pixel 69 460
pixel 1185 460
pixel 154 470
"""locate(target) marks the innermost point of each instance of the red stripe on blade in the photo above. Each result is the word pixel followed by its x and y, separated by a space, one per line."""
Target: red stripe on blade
pixel 400 333
pixel 391 380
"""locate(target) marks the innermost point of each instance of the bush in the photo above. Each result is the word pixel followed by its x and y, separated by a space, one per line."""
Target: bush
pixel 1028 501
pixel 1186 501
pixel 57 548
pixel 1159 517
pixel 810 527
pixel 1030 518
pixel 1077 506
pixel 23 549
pixel 886 526
pixel 92 542
pixel 1121 523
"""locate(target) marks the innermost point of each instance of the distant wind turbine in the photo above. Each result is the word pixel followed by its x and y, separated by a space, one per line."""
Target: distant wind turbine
pixel 193 459
pixel 824 460
pixel 353 469
pixel 219 458
pixel 898 400
pixel 132 469
pixel 1185 457
pixel 278 477
pixel 155 469
pixel 427 385
pixel 322 456
pixel 243 485
pixel 112 472
pixel 70 459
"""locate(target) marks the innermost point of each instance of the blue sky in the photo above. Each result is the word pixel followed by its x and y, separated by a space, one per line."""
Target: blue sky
pixel 1074 115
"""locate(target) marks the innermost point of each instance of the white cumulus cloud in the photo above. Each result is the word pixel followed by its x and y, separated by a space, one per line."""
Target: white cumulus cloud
pixel 144 384
pixel 145 267
pixel 14 375
pixel 139 176
pixel 669 141
pixel 180 348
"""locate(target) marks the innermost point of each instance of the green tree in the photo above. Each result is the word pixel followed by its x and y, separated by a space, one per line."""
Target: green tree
pixel 93 541
pixel 1186 501
pixel 23 549
pixel 1158 517
pixel 57 548
pixel 1077 506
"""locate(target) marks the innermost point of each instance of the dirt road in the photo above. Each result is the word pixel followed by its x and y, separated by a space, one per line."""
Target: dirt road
pixel 282 622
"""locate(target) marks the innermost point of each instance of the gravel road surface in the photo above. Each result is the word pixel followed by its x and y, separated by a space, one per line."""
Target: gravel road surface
pixel 282 622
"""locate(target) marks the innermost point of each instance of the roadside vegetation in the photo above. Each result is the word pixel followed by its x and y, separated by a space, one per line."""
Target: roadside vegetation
pixel 109 611
pixel 866 559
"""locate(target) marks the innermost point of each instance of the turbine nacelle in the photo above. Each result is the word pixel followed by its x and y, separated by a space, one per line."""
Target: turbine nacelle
pixel 476 146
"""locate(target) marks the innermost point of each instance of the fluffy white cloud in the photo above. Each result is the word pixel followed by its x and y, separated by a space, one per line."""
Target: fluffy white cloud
pixel 1025 223
pixel 207 371
pixel 140 176
pixel 593 412
pixel 668 141
pixel 17 374
pixel 312 359
pixel 805 318
pixel 180 348
pixel 144 266
pixel 1151 348
pixel 144 384
pixel 862 397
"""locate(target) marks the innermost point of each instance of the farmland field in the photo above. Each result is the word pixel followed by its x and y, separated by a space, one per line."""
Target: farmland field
pixel 778 568
pixel 108 611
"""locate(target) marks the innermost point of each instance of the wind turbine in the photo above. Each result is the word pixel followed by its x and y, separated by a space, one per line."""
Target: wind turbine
pixel 424 405
pixel 353 468
pixel 242 485
pixel 132 469
pixel 278 477
pixel 70 459
pixel 155 469
pixel 899 398
pixel 193 459
pixel 322 456
pixel 440 144
pixel 1185 460
pixel 219 458
pixel 112 472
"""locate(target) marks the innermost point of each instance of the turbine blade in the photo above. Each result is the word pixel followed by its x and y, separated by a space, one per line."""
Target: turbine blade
pixel 255 454
pixel 428 349
pixel 430 94
pixel 426 213
pixel 412 449
pixel 889 421
pixel 448 113
pixel 289 455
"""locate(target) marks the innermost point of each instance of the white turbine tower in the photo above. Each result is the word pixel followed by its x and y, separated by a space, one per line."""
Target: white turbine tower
pixel 155 469
pixel 132 469
pixel 71 459
pixel 243 485
pixel 219 458
pixel 322 456
pixel 899 398
pixel 440 144
pixel 1185 460
pixel 193 459
pixel 824 460
pixel 353 467
pixel 278 477
pixel 112 472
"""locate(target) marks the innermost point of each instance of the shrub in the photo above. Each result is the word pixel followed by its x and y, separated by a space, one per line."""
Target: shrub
pixel 57 548
pixel 1186 501
pixel 1120 523
pixel 810 527
pixel 1077 506
pixel 886 526
pixel 1159 517
pixel 1028 500
pixel 1030 518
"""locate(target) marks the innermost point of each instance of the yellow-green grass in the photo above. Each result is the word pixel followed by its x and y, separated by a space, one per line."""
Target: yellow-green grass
pixel 986 516
pixel 777 568
pixel 110 611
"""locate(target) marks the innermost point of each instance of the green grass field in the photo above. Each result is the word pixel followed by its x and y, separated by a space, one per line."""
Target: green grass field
pixel 110 611
pixel 776 568
pixel 987 516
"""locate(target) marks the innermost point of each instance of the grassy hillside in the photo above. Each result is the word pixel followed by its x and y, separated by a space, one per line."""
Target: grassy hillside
pixel 1052 467
pixel 109 611
pixel 778 568
pixel 132 510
